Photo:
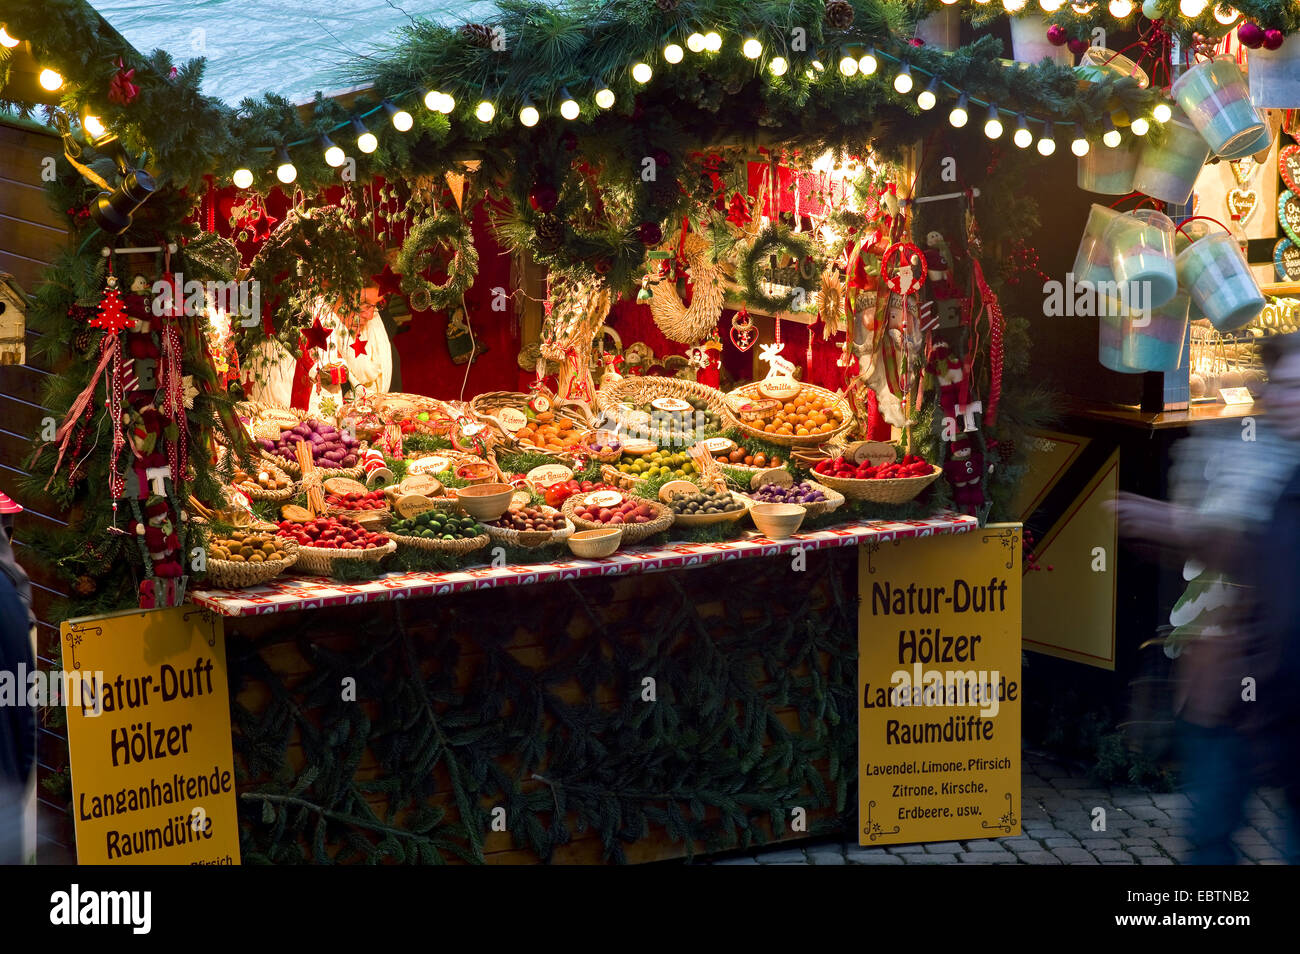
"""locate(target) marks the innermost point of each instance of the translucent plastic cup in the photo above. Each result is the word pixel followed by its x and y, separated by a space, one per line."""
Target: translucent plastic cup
pixel 1156 342
pixel 1216 99
pixel 1275 76
pixel 1142 258
pixel 1110 343
pixel 1168 171
pixel 1214 272
pixel 1092 263
pixel 1109 171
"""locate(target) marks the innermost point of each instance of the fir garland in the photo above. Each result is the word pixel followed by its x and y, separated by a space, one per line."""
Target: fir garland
pixel 450 228
pixel 772 239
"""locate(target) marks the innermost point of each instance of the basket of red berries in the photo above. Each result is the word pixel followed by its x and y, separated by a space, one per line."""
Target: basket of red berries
pixel 562 490
pixel 324 541
pixel 367 507
pixel 639 518
pixel 889 483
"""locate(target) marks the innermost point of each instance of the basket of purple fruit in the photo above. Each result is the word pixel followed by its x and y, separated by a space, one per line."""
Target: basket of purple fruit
pixel 335 453
pixel 816 498
pixel 604 446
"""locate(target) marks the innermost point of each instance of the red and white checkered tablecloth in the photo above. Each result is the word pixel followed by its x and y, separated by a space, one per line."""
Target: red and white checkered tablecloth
pixel 288 593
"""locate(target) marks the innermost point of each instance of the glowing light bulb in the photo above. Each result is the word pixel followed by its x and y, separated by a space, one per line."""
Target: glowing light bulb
pixel 605 98
pixel 868 64
pixel 529 115
pixel 1051 6
pixel 1079 146
pixel 1225 14
pixel 1083 9
pixel 94 127
pixel 1023 137
pixel 335 157
pixel 243 178
pixel 7 41
pixel 1192 8
pixel 485 112
pixel 752 48
pixel 433 100
pixel 959 117
pixel 403 121
pixel 642 73
pixel 674 53
pixel 1140 127
pixel 286 172
pixel 1162 113
pixel 1119 9
pixel 1111 138
pixel 778 66
pixel 848 66
pixel 993 125
pixel 696 43
pixel 1047 142
pixel 929 96
pixel 1013 6
pixel 367 142
pixel 447 104
pixel 713 41
pixel 903 81
pixel 50 80
pixel 569 108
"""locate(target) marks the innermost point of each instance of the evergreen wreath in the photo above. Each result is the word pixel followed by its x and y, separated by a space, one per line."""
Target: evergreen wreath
pixel 446 227
pixel 770 240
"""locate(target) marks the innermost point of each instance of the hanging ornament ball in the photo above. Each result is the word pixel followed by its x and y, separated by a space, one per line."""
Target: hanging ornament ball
pixel 1056 35
pixel 543 197
pixel 1151 9
pixel 649 233
pixel 1251 35
pixel 1077 46
pixel 1273 39
pixel 839 14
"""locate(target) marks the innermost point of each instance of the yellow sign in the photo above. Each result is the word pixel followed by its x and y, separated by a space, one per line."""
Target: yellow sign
pixel 939 688
pixel 149 739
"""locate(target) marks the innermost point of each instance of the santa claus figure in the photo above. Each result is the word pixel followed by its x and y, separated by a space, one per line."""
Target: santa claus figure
pixel 947 370
pixel 963 471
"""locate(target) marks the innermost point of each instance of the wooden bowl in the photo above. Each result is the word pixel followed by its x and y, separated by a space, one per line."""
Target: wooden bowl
pixel 485 501
pixel 596 544
pixel 777 521
pixel 476 473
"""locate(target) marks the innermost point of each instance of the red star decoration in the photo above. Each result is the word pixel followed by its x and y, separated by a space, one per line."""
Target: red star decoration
pixel 388 282
pixel 248 385
pixel 263 226
pixel 317 336
pixel 359 347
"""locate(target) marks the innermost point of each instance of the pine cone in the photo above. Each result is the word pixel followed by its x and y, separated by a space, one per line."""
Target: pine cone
pixel 550 233
pixel 1006 451
pixel 85 586
pixel 81 341
pixel 667 6
pixel 839 14
pixel 478 34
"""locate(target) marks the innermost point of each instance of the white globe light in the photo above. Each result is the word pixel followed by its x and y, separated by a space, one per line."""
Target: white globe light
pixel 1119 9
pixel 7 41
pixel 1083 9
pixel 94 126
pixel 868 64
pixel 926 99
pixel 485 111
pixel 529 116
pixel 335 157
pixel 958 117
pixel 778 66
pixel 752 49
pixel 1192 8
pixel 1013 6
pixel 1225 14
pixel 642 73
pixel 1046 146
pixel 1051 6
pixel 446 104
pixel 1162 113
pixel 50 80
pixel 903 81
pixel 403 121
pixel 696 43
pixel 286 172
pixel 848 66
pixel 367 142
pixel 993 128
pixel 569 109
pixel 433 100
pixel 674 53
pixel 1080 147
pixel 1111 138
pixel 713 42
pixel 1022 138
pixel 1140 127
pixel 243 178
pixel 605 98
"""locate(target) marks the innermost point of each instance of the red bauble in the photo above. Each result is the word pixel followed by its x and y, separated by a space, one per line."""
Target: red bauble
pixel 649 233
pixel 1251 35
pixel 1077 46
pixel 543 198
pixel 1056 35
pixel 1273 39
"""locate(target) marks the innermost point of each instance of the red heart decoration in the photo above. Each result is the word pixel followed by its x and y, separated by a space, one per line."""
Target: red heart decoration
pixel 1288 163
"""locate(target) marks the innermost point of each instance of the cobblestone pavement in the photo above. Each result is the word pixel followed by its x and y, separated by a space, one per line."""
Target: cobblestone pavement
pixel 1057 803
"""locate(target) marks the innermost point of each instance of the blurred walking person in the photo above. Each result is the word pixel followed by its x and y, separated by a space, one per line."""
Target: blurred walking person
pixel 17 721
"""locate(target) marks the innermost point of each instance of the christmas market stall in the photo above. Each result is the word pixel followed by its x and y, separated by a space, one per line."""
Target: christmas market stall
pixel 526 416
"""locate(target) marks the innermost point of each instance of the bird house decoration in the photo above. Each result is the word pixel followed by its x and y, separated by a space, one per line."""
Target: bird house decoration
pixel 13 322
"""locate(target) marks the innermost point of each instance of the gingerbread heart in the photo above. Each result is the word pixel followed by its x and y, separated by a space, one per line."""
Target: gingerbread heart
pixel 1288 213
pixel 1286 258
pixel 1288 164
pixel 1242 203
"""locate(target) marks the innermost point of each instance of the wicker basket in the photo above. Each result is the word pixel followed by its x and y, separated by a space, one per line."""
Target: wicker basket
pixel 530 538
pixel 256 491
pixel 372 520
pixel 593 437
pixel 895 491
pixel 454 547
pixel 616 478
pixel 750 392
pixel 709 519
pixel 632 532
pixel 484 407
pixel 642 390
pixel 234 575
pixel 321 560
pixel 293 470
pixel 834 500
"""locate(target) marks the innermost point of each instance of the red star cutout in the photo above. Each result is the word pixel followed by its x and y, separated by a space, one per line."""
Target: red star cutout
pixel 359 347
pixel 317 336
pixel 263 226
pixel 248 386
pixel 388 282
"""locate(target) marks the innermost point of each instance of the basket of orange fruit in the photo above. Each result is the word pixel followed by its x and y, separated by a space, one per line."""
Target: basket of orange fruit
pixel 811 415
pixel 538 422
